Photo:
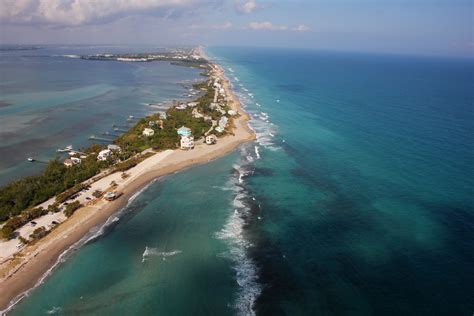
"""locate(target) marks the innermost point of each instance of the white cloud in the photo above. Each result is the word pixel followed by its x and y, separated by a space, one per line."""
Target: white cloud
pixel 301 28
pixel 224 26
pixel 78 12
pixel 247 6
pixel 267 26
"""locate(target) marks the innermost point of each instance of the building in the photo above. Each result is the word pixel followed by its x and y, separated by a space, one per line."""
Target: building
pixel 192 104
pixel 113 147
pixel 148 132
pixel 187 142
pixel 104 154
pixel 181 106
pixel 68 163
pixel 184 131
pixel 110 196
pixel 219 129
pixel 223 122
pixel 211 139
pixel 76 160
pixel 232 112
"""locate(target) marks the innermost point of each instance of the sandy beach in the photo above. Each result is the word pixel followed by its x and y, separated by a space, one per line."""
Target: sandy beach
pixel 22 271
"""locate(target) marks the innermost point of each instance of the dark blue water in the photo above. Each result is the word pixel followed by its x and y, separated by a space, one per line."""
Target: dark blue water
pixel 356 199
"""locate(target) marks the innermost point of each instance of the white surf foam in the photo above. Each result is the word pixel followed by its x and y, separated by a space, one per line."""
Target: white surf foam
pixel 246 272
pixel 153 252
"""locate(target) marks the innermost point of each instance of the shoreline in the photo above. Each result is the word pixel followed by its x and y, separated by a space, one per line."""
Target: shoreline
pixel 22 273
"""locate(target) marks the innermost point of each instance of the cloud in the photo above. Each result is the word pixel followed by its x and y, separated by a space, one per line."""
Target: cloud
pixel 267 26
pixel 247 7
pixel 79 12
pixel 301 28
pixel 224 26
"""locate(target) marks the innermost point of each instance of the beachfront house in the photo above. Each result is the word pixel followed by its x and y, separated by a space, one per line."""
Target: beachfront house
pixel 68 163
pixel 181 106
pixel 104 154
pixel 187 142
pixel 184 131
pixel 148 132
pixel 223 122
pixel 211 139
pixel 232 112
pixel 113 147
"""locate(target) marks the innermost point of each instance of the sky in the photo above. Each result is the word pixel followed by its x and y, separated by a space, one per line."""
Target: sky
pixel 426 27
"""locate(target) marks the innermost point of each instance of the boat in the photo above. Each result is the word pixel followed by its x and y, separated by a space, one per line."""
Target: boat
pixel 31 159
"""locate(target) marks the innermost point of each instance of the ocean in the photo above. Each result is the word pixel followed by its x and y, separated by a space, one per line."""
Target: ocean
pixel 355 199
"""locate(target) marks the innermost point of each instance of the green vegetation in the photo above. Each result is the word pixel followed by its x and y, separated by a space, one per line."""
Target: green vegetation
pixel 71 208
pixel 57 178
pixel 7 231
pixel 39 233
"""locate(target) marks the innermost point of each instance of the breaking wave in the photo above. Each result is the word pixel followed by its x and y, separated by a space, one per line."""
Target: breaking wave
pixel 233 233
pixel 153 252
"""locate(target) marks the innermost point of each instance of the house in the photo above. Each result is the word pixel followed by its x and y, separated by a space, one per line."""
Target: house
pixel 184 131
pixel 187 142
pixel 232 112
pixel 148 132
pixel 181 106
pixel 110 196
pixel 211 139
pixel 192 104
pixel 162 115
pixel 113 147
pixel 151 123
pixel 104 154
pixel 223 121
pixel 68 163
pixel 219 129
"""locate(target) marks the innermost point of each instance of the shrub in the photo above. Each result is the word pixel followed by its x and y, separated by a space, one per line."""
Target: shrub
pixel 71 208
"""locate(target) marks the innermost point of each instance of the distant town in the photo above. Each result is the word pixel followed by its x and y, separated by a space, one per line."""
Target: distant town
pixel 184 56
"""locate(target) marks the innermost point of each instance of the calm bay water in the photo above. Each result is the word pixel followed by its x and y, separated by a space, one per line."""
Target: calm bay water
pixel 356 199
pixel 48 101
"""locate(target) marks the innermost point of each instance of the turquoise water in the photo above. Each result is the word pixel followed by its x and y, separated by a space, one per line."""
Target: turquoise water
pixel 48 101
pixel 356 199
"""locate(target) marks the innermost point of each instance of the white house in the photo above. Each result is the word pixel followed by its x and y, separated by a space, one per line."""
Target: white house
pixel 211 139
pixel 219 129
pixel 148 132
pixel 223 121
pixel 192 104
pixel 113 147
pixel 232 112
pixel 76 160
pixel 187 142
pixel 104 154
pixel 68 162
